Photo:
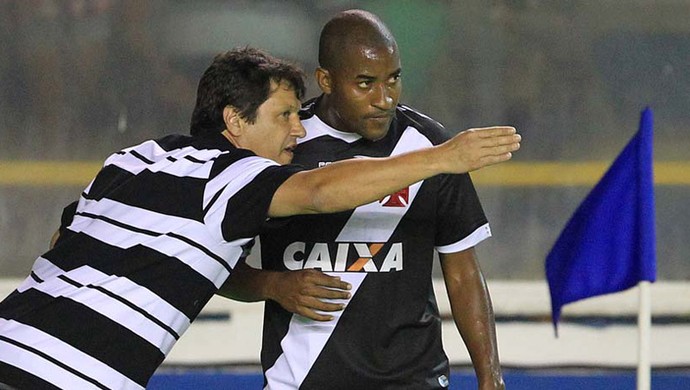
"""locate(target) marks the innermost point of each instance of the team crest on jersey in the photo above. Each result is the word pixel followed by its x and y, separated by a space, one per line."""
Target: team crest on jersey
pixel 397 199
pixel 344 257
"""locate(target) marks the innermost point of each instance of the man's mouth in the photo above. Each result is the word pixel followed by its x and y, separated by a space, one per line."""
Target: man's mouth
pixel 380 116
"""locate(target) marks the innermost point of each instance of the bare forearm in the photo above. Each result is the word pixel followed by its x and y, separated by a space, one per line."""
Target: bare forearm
pixel 247 284
pixel 347 184
pixel 367 180
pixel 474 317
pixel 476 324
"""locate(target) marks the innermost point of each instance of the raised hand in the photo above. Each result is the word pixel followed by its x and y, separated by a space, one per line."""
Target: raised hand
pixel 476 148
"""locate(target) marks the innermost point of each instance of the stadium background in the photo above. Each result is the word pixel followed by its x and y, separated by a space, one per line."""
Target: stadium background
pixel 82 78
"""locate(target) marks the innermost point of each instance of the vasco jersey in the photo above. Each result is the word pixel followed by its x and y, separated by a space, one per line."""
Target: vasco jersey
pixel 389 335
pixel 154 236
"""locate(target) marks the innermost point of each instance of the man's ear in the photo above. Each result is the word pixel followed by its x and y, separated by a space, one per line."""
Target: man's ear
pixel 323 78
pixel 233 121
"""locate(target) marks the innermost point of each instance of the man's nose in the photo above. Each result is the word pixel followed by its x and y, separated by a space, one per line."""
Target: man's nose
pixel 383 98
pixel 297 129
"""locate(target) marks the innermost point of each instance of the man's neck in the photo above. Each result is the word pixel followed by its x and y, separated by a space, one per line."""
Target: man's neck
pixel 229 137
pixel 327 114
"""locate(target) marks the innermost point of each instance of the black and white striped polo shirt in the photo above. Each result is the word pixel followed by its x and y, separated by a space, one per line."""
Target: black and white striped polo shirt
pixel 154 235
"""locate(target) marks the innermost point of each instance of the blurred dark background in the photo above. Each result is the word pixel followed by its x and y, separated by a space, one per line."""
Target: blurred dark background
pixel 83 78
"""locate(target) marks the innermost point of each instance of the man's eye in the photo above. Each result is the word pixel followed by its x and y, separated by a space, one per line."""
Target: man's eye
pixel 364 84
pixel 394 79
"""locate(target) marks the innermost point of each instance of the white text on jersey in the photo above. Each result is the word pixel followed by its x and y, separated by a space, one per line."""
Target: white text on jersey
pixel 321 257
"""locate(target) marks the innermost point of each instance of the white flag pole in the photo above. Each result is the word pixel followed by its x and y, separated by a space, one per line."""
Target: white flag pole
pixel 644 325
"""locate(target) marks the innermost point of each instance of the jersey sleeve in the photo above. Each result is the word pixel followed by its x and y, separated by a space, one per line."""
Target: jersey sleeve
pixel 238 198
pixel 461 220
pixel 66 219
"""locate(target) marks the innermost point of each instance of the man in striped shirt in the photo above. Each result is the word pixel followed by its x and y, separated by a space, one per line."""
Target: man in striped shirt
pixel 163 224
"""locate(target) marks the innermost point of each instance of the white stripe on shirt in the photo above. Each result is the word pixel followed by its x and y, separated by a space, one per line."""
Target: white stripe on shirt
pixel 480 234
pixel 158 223
pixel 304 342
pixel 373 222
pixel 123 287
pixel 64 353
pixel 111 308
pixel 194 257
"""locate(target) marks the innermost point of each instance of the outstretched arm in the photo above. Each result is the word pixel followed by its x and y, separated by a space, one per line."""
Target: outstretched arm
pixel 302 292
pixel 473 314
pixel 347 184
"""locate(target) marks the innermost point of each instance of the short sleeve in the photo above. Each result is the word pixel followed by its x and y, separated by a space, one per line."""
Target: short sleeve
pixel 240 195
pixel 461 220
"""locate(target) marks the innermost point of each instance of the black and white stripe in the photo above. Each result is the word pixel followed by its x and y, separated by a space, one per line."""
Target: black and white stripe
pixel 151 241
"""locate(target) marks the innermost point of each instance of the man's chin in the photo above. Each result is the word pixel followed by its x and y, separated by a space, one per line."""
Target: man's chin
pixel 375 133
pixel 285 158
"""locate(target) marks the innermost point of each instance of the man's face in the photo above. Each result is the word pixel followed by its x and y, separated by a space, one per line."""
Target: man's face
pixel 365 90
pixel 274 133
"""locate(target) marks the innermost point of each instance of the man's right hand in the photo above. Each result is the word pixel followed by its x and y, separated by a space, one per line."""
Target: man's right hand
pixel 477 148
pixel 306 292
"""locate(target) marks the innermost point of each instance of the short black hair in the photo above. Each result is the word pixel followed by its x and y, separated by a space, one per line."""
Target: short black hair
pixel 351 28
pixel 240 78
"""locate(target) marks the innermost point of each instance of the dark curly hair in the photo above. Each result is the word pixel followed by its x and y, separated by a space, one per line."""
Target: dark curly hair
pixel 240 78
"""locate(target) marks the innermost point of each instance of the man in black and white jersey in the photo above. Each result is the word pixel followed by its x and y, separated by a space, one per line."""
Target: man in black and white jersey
pixel 164 223
pixel 388 336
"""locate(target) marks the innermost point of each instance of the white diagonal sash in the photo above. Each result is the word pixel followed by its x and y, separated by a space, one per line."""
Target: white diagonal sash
pixel 370 223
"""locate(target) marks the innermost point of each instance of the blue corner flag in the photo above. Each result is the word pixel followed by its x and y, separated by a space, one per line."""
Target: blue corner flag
pixel 609 244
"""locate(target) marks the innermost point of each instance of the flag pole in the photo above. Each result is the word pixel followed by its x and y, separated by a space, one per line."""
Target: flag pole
pixel 644 325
